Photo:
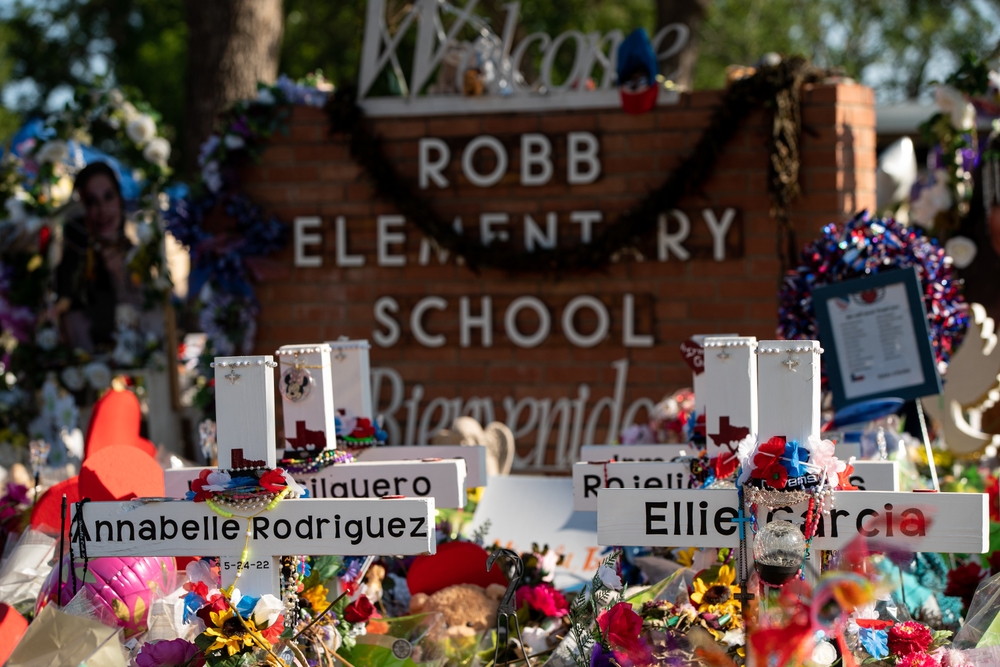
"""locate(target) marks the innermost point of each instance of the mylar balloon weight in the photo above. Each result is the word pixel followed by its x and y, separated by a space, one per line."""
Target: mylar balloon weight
pixel 124 587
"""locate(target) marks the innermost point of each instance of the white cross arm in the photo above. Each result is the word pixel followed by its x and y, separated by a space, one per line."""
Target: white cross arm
pixel 474 455
pixel 938 522
pixel 588 478
pixel 314 527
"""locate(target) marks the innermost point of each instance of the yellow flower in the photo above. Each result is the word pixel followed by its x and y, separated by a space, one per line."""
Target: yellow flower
pixel 316 597
pixel 685 556
pixel 220 617
pixel 717 591
pixel 474 495
pixel 233 643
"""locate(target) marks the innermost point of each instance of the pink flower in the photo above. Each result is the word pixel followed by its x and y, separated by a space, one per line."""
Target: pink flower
pixel 173 653
pixel 623 629
pixel 543 598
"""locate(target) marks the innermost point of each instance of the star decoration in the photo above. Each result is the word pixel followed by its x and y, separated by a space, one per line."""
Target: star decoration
pixel 232 376
pixel 724 354
pixel 340 356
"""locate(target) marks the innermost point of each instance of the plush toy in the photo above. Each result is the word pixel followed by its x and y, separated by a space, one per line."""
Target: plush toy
pixel 466 609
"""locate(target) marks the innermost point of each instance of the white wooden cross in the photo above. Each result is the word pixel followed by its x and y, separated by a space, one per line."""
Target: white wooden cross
pixel 730 391
pixel 942 522
pixel 246 438
pixel 304 383
pixel 307 379
pixel 352 390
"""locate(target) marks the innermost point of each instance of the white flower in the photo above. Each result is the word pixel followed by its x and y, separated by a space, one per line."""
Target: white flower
pixel 218 481
pixel 73 378
pixel 953 104
pixel 744 449
pixel 210 175
pixel 47 338
pixel 962 250
pixel 609 578
pixel 931 200
pixel 131 113
pixel 141 129
pixel 73 440
pixel 265 96
pixel 116 97
pixel 234 142
pixel 823 654
pixel 52 152
pixel 157 151
pixel 98 374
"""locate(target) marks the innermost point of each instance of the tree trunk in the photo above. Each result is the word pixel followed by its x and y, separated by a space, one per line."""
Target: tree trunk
pixel 232 44
pixel 691 13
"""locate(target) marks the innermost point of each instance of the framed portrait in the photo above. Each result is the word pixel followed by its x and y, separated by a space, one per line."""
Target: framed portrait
pixel 876 340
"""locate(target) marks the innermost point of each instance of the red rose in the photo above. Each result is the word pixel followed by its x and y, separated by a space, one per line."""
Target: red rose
pixel 768 453
pixel 963 582
pixel 993 490
pixel 909 637
pixel 725 464
pixel 363 429
pixel 775 476
pixel 359 611
pixel 273 481
pixel 622 627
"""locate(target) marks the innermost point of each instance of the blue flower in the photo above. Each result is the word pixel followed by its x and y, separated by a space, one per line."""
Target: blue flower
pixel 793 459
pixel 246 604
pixel 242 481
pixel 876 642
pixel 192 603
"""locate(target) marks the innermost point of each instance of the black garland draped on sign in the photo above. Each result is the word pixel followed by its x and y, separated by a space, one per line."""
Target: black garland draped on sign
pixel 773 86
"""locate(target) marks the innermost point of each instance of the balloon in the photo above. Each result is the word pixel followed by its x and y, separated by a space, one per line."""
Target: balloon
pixel 123 587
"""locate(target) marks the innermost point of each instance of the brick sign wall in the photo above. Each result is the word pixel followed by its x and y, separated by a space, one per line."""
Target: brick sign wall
pixel 449 341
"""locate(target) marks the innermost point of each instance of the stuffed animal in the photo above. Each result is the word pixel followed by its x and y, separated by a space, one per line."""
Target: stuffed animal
pixel 466 609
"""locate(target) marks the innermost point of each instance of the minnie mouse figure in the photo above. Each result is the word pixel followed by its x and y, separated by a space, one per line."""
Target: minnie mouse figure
pixel 296 384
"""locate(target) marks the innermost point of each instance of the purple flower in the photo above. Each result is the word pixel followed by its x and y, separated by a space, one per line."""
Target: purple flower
pixel 173 653
pixel 18 493
pixel 601 658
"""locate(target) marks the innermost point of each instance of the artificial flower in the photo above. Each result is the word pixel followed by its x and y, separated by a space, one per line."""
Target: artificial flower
pixel 952 658
pixel 547 563
pixel 316 597
pixel 295 490
pixel 376 626
pixel 543 598
pixel 233 638
pixel 141 129
pixel 782 644
pixel 874 641
pixel 844 482
pixel 599 657
pixel 715 591
pixel 273 632
pixel 267 610
pixel 993 490
pixel 920 659
pixel 609 577
pixel 775 476
pixel 768 453
pixel 363 429
pixel 216 605
pixel 170 653
pixel 359 611
pixel 725 464
pixel 157 151
pixel 793 459
pixel 273 481
pixel 623 629
pixel 963 582
pixel 217 480
pixel 909 637
pixel 52 152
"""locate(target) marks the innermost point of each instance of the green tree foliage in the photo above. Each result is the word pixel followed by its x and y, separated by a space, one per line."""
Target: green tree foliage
pixel 897 46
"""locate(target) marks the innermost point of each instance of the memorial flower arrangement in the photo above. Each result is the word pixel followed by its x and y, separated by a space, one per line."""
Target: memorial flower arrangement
pixel 668 422
pixel 227 258
pixel 355 432
pixel 36 184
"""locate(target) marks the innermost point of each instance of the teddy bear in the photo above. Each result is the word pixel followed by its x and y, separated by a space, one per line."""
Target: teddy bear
pixel 466 609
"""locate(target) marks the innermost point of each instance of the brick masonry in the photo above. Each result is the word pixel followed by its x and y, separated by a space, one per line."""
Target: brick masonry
pixel 310 173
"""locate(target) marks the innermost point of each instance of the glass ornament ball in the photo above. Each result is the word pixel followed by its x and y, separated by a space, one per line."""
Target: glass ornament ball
pixel 778 550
